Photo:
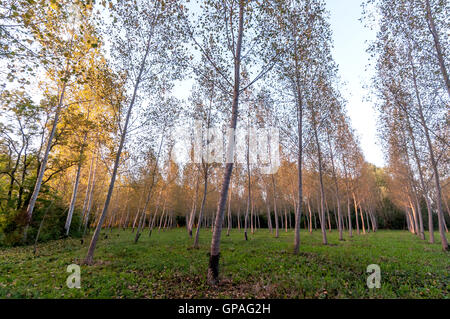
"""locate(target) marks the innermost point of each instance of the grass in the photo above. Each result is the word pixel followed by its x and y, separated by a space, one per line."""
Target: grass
pixel 165 266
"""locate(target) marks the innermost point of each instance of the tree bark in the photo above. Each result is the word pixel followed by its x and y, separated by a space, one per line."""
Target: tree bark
pixel 213 269
pixel 275 207
pixel 229 211
pixel 356 214
pixel 90 254
pixel 75 189
pixel 202 207
pixel 437 45
pixel 433 162
pixel 194 205
pixel 298 212
pixel 322 193
pixel 43 165
pixel 91 194
pixel 422 182
pixel 269 218
pixel 86 195
pixel 336 190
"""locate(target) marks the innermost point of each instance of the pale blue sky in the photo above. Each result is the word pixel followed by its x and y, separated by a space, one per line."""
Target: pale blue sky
pixel 350 37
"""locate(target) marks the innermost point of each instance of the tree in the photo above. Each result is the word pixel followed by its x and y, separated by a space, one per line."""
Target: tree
pixel 223 27
pixel 64 42
pixel 138 35
pixel 403 46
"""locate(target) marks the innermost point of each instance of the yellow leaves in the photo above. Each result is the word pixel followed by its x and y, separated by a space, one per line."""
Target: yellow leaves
pixel 53 5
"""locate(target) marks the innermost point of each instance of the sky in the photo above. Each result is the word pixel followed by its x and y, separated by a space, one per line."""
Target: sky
pixel 350 36
pixel 350 42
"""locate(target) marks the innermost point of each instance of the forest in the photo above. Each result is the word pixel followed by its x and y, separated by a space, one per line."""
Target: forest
pixel 203 148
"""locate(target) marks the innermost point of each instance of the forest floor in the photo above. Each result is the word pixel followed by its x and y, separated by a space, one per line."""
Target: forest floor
pixel 165 266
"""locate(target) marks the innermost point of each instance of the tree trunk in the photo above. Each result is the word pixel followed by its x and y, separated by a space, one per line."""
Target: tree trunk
pixel 90 255
pixel 91 194
pixel 336 190
pixel 310 217
pixel 356 214
pixel 433 163
pixel 249 194
pixel 150 191
pixel 162 214
pixel 328 215
pixel 415 217
pixel 239 218
pixel 213 269
pixel 194 205
pixel 298 211
pixel 285 220
pixel 86 195
pixel 269 218
pixel 362 219
pixel 367 221
pixel 155 214
pixel 437 45
pixel 422 182
pixel 322 193
pixel 229 211
pixel 349 216
pixel 75 189
pixel 275 207
pixel 202 207
pixel 24 174
pixel 43 165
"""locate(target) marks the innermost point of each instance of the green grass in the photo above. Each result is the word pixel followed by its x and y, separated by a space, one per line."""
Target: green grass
pixel 165 266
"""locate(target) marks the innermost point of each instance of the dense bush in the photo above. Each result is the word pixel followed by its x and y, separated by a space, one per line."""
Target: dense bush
pixel 12 224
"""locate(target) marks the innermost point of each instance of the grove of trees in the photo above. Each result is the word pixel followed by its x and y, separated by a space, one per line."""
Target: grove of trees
pixel 90 121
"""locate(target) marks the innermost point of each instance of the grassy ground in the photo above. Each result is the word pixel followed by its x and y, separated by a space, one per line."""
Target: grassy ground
pixel 165 266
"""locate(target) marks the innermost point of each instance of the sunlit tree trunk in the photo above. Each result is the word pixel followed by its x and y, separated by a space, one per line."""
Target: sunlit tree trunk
pixel 86 195
pixel 75 189
pixel 90 255
pixel 328 216
pixel 91 196
pixel 310 217
pixel 44 161
pixel 415 217
pixel 362 219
